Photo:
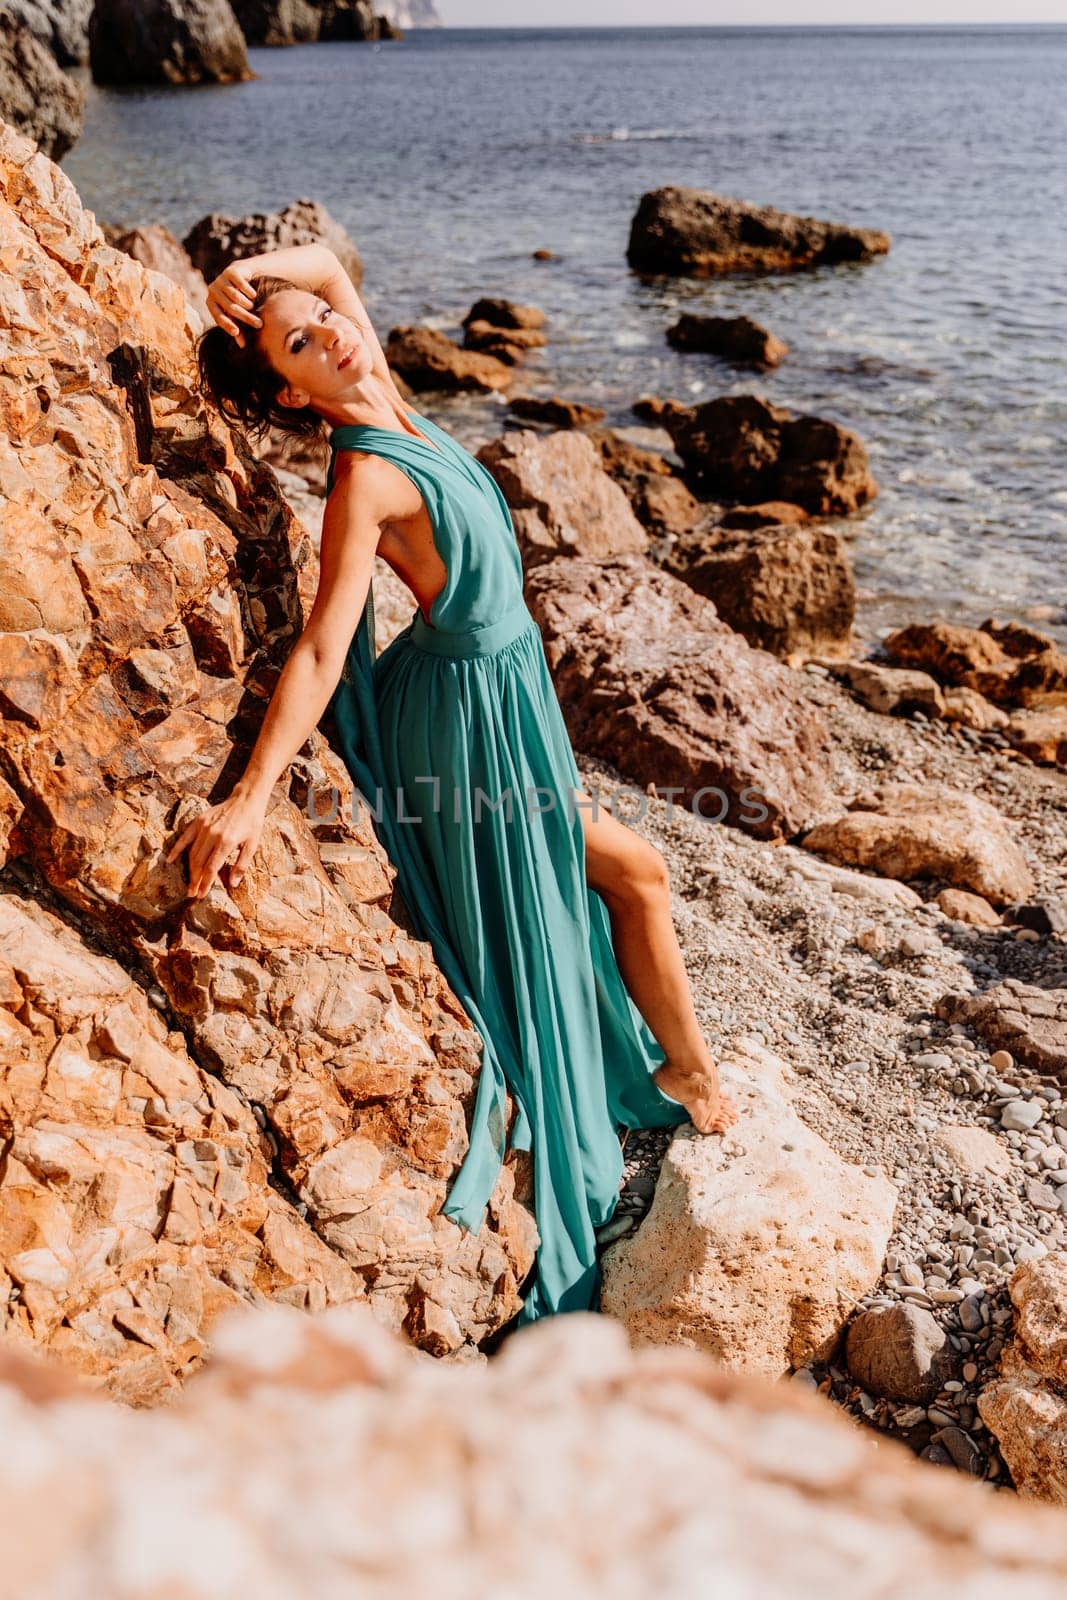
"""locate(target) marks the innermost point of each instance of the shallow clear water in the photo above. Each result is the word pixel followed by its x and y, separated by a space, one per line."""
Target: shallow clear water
pixel 451 155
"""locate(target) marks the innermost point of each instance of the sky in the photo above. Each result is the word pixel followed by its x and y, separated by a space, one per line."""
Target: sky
pixel 677 13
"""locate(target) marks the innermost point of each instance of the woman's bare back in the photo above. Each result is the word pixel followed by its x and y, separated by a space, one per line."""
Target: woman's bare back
pixel 407 542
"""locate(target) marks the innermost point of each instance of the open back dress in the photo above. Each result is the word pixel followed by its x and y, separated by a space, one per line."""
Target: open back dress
pixel 455 715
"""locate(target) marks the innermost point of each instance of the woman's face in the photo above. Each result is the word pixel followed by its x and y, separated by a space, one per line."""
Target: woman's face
pixel 321 354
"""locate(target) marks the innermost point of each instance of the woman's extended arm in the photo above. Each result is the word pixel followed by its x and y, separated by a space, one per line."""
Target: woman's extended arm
pixel 313 267
pixel 350 534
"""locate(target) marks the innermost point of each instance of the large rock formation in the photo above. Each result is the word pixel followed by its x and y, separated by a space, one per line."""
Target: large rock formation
pixel 134 1195
pixel 740 447
pixel 166 41
pixel 217 239
pixel 154 246
pixel 36 96
pixel 759 1244
pixel 61 25
pixel 562 501
pixel 284 22
pixel 652 681
pixel 692 231
pixel 316 1457
pixel 153 581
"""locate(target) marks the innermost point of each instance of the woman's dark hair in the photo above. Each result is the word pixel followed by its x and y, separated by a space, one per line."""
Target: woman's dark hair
pixel 242 382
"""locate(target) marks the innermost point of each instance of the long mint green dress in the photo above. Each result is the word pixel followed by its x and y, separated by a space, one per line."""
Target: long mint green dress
pixel 498 888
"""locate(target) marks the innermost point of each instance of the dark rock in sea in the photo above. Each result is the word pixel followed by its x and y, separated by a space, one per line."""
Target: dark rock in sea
pixel 278 22
pixel 504 314
pixel 216 240
pixel 770 514
pixel 556 412
pixel 62 26
pixel 155 247
pixel 508 344
pixel 662 503
pixel 696 233
pixel 789 590
pixel 739 447
pixel 427 359
pixel 650 408
pixel 166 41
pixel 353 20
pixel 36 96
pixel 739 340
pixel 652 681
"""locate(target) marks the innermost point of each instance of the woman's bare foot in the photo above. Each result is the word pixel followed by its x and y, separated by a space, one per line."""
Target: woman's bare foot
pixel 710 1110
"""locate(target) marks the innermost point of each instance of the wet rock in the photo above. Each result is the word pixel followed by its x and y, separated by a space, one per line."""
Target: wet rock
pixel 695 232
pixel 562 501
pixel 509 344
pixel 427 359
pixel 166 41
pixel 36 96
pixel 757 1245
pixel 1017 1016
pixel 217 239
pixel 900 1352
pixel 907 830
pixel 554 411
pixel 738 340
pixel 500 313
pixel 788 590
pixel 739 447
pixel 653 682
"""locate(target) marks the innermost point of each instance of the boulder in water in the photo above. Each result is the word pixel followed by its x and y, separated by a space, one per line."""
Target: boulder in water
pixel 166 41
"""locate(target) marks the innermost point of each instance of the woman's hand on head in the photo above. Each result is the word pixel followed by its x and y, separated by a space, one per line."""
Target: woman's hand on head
pixel 230 828
pixel 230 298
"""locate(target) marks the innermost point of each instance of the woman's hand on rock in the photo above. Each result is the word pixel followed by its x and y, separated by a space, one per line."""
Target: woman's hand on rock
pixel 231 828
pixel 230 298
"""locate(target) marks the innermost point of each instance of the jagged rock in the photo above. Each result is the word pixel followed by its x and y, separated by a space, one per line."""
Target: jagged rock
pixel 970 908
pixel 36 96
pixel 1026 1406
pixel 1017 1016
pixel 386 1454
pixel 156 247
pixel 152 582
pixel 166 41
pixel 757 1245
pixel 216 239
pixel 739 447
pixel 562 501
pixel 660 500
pixel 134 1202
pixel 692 231
pixel 1007 663
pixel 652 681
pixel 891 690
pixel 62 26
pixel 554 411
pixel 739 340
pixel 501 313
pixel 789 590
pixel 907 830
pixel 427 359
pixel 899 1352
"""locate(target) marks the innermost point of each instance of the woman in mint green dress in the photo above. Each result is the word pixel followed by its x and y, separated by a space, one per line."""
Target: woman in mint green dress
pixel 550 918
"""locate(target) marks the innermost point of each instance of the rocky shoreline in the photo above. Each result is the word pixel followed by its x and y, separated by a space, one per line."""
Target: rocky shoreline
pixel 259 1102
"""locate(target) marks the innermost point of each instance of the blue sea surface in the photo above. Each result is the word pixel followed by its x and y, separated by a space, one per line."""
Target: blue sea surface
pixel 453 154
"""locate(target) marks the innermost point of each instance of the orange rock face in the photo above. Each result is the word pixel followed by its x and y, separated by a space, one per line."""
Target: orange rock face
pixel 153 580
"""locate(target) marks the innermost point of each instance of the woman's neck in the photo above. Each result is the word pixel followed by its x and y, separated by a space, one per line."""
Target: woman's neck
pixel 371 404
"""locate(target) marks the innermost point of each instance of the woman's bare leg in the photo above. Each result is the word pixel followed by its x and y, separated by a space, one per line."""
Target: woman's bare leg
pixel 631 877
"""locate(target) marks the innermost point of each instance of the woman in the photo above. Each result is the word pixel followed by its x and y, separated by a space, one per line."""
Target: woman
pixel 581 998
